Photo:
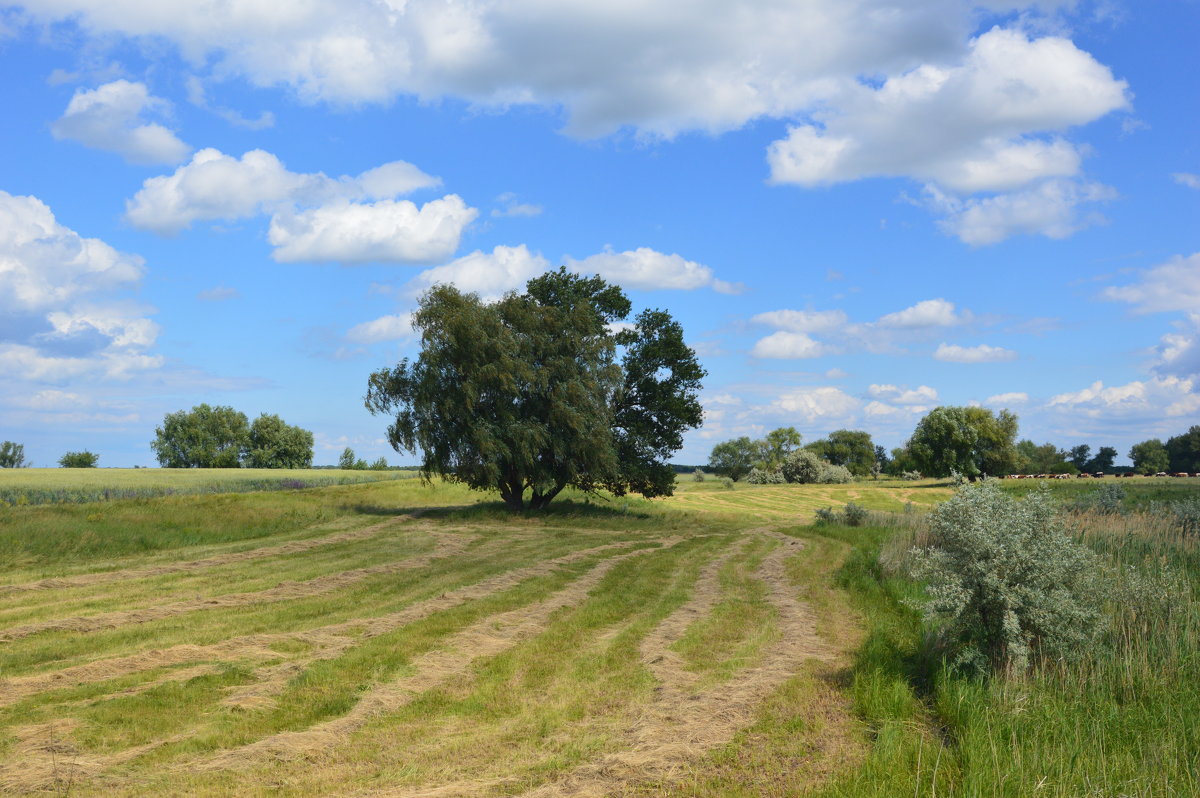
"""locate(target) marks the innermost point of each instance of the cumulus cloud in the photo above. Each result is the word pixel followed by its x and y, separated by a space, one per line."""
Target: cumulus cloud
pixel 1051 208
pixel 385 328
pixel 1007 88
pixel 952 353
pixel 646 269
pixel 802 321
pixel 215 186
pixel 1174 285
pixel 489 274
pixel 45 265
pixel 1170 396
pixel 1178 353
pixel 390 231
pixel 927 313
pixel 784 345
pixel 1004 399
pixel 112 117
pixel 814 405
pixel 662 69
pixel 921 395
pixel 58 316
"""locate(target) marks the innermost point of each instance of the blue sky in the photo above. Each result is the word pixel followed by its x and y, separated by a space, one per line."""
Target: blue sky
pixel 858 209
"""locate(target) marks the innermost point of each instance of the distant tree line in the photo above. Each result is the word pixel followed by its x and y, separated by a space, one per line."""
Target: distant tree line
pixel 779 457
pixel 970 441
pixel 221 437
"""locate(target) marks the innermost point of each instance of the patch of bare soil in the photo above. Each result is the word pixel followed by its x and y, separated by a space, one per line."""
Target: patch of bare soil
pixel 486 638
pixel 447 545
pixel 293 547
pixel 327 641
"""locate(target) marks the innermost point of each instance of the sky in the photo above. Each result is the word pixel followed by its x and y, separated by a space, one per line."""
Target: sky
pixel 858 209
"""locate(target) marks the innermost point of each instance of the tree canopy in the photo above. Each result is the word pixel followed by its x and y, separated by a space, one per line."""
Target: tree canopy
pixel 734 458
pixel 1184 450
pixel 12 455
pixel 84 459
pixel 541 390
pixel 969 440
pixel 1149 456
pixel 853 449
pixel 221 437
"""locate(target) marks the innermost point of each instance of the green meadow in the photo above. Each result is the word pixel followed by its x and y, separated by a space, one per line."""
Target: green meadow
pixel 402 638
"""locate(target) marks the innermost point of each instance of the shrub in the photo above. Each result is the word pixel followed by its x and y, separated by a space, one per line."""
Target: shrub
pixel 803 466
pixel 912 476
pixel 826 515
pixel 697 475
pixel 763 476
pixel 855 514
pixel 957 479
pixel 836 475
pixel 84 459
pixel 1004 582
pixel 727 483
pixel 1106 499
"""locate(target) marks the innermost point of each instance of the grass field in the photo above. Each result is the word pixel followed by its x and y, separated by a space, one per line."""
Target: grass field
pixel 404 639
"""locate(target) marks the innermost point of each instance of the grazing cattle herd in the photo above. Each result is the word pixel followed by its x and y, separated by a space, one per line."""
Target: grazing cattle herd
pixel 1098 475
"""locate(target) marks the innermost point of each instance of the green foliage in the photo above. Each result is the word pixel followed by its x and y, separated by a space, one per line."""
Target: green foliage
pixel 759 476
pixel 1079 455
pixel 727 483
pixel 850 448
pixel 379 465
pixel 1005 583
pixel 776 446
pixel 698 475
pixel 855 514
pixel 271 443
pixel 527 395
pixel 1103 461
pixel 1149 456
pixel 1044 459
pixel 12 455
pixel 347 460
pixel 804 467
pixel 836 475
pixel 84 459
pixel 912 476
pixel 901 461
pixel 1184 451
pixel 1108 499
pixel 826 515
pixel 734 458
pixel 205 437
pixel 970 440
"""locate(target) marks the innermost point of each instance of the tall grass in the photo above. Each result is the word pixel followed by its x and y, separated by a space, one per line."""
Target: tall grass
pixel 1124 721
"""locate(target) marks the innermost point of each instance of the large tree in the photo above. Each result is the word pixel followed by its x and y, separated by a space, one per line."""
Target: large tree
pixel 204 437
pixel 776 446
pixel 1149 456
pixel 272 443
pixel 543 390
pixel 1184 450
pixel 1044 459
pixel 12 455
pixel 734 458
pixel 84 459
pixel 850 448
pixel 969 440
pixel 1103 460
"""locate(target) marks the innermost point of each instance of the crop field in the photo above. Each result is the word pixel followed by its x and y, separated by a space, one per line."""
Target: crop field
pixel 399 638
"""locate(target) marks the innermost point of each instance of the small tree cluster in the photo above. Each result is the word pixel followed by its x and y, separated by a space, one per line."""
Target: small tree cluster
pixel 1005 583
pixel 737 458
pixel 84 459
pixel 805 468
pixel 1179 453
pixel 221 437
pixel 12 455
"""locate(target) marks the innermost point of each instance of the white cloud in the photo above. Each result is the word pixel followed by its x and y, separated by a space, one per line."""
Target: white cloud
pixel 877 411
pixel 1174 285
pixel 663 68
pixel 510 207
pixel 21 362
pixel 784 345
pixel 111 117
pixel 952 353
pixel 1186 179
pixel 489 274
pixel 817 404
pixel 1012 398
pixel 1179 352
pixel 1049 208
pixel 198 96
pixel 214 186
pixel 646 269
pixel 1005 89
pixel 390 231
pixel 802 321
pixel 1170 396
pixel 927 313
pixel 44 265
pixel 385 328
pixel 922 394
